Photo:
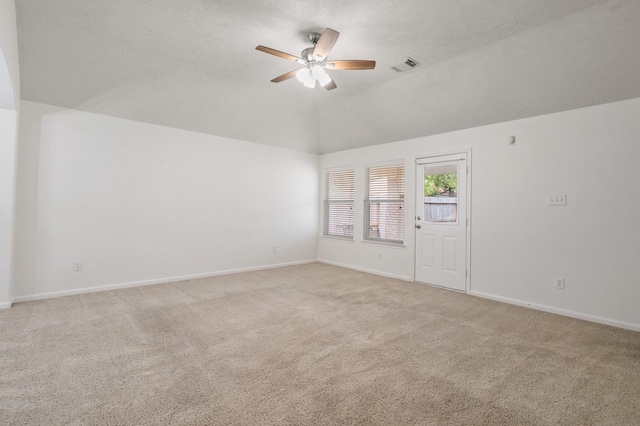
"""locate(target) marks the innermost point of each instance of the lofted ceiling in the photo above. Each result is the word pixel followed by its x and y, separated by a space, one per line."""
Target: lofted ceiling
pixel 192 64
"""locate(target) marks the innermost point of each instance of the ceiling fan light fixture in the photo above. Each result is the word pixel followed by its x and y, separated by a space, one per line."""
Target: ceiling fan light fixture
pixel 321 75
pixel 314 60
pixel 304 76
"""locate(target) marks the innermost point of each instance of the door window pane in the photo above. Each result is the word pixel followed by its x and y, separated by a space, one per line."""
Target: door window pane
pixel 440 194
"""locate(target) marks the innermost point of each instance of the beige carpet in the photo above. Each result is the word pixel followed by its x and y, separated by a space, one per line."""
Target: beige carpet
pixel 309 345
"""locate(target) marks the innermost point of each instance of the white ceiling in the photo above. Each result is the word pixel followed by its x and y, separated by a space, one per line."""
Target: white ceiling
pixel 192 64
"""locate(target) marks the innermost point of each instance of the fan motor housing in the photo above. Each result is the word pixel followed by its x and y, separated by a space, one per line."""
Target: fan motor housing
pixel 307 54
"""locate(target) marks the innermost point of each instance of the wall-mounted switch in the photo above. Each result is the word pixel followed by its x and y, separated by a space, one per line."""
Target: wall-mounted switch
pixel 557 200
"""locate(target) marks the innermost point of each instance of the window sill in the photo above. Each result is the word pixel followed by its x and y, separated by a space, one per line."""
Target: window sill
pixel 400 246
pixel 337 238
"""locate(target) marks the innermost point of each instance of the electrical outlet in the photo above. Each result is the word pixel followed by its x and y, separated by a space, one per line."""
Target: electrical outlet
pixel 559 283
pixel 557 200
pixel 379 255
pixel 274 249
pixel 77 266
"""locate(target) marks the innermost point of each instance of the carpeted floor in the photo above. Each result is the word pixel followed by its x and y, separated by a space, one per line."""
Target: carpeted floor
pixel 309 345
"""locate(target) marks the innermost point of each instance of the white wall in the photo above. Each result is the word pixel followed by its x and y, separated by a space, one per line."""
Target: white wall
pixel 8 127
pixel 139 203
pixel 9 64
pixel 518 243
pixel 9 101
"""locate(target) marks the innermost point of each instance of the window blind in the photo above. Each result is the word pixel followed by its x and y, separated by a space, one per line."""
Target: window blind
pixel 338 204
pixel 384 205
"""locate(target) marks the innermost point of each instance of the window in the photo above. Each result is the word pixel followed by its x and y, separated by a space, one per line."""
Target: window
pixel 338 204
pixel 440 193
pixel 384 206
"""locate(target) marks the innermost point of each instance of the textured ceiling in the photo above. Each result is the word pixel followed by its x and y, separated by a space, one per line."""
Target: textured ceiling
pixel 192 64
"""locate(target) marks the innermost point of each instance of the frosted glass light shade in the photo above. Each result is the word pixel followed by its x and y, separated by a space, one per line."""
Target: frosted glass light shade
pixel 304 76
pixel 321 75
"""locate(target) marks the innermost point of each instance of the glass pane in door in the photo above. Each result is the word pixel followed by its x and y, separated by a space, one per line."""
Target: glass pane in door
pixel 440 194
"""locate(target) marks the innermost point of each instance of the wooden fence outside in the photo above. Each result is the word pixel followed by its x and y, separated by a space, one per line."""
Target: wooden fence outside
pixel 440 209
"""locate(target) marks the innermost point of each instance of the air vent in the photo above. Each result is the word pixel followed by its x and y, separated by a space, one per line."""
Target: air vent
pixel 405 65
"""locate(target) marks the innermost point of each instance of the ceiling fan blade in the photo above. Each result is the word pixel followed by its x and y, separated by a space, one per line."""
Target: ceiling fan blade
pixel 351 65
pixel 325 44
pixel 285 76
pixel 279 53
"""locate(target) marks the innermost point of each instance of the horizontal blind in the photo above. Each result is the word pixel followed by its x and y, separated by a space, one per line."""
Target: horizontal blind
pixel 384 206
pixel 338 205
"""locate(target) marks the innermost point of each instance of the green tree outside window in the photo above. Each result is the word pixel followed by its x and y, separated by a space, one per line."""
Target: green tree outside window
pixel 440 185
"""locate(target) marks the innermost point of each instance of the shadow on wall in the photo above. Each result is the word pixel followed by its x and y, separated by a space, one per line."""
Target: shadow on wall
pixel 7 94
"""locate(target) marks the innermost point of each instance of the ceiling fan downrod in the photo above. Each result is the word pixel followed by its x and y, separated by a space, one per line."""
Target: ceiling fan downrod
pixel 307 54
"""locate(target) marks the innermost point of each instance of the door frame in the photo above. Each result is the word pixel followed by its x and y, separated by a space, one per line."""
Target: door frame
pixel 443 156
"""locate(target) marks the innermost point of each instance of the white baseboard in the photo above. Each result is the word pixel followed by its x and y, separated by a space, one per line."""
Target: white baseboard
pixel 53 294
pixel 369 271
pixel 517 302
pixel 552 310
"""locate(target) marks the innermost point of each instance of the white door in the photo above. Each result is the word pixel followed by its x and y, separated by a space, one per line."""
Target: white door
pixel 441 221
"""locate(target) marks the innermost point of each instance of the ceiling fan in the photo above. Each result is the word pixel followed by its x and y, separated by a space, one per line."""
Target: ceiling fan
pixel 315 61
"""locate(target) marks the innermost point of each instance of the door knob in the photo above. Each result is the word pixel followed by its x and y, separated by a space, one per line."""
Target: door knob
pixel 418 226
pixel 418 217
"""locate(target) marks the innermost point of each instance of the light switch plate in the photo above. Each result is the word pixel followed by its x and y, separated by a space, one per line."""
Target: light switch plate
pixel 557 200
